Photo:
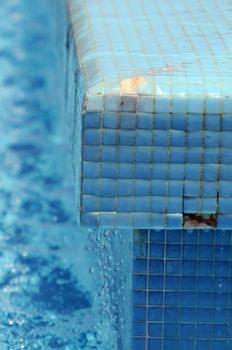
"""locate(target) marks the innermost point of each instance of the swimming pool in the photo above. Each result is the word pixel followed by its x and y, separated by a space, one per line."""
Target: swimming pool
pixel 62 287
pixel 149 96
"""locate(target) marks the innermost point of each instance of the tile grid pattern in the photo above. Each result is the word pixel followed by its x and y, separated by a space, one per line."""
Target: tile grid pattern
pixel 181 291
pixel 161 151
pixel 119 28
pixel 149 157
pixel 157 171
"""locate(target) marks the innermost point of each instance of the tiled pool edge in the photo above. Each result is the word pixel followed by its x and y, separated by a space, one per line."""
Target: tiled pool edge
pixel 169 342
pixel 120 244
pixel 150 159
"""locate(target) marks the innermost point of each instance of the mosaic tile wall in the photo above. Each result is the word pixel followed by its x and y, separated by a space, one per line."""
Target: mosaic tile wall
pixel 182 288
pixel 155 133
pixel 143 170
pixel 156 123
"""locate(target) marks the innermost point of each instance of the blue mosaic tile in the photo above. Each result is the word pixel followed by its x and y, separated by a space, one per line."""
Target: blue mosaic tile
pixel 145 121
pixel 166 112
pixel 211 155
pixel 128 121
pixel 92 120
pixel 110 121
pixel 185 290
pixel 160 155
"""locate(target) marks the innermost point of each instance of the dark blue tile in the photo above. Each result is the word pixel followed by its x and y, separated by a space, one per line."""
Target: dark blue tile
pixel 203 330
pixel 139 282
pixel 222 268
pixel 92 120
pixel 189 267
pixel 189 251
pixel 222 283
pixel 190 236
pixel 205 267
pixel 145 121
pixel 170 344
pixel 144 138
pixel 110 120
pixel 154 344
pixel 194 122
pixel 206 251
pixel 204 315
pixel 205 283
pixel 139 313
pixel 139 329
pixel 172 299
pixel 138 344
pixel 223 237
pixel 156 250
pixel 139 297
pixel 220 331
pixel 187 330
pixel 212 122
pixel 140 265
pixel 222 252
pixel 173 236
pixel 220 315
pixel 203 345
pixel 157 235
pixel 162 122
pixel 173 251
pixel 206 237
pixel 204 299
pixel 178 138
pixel 155 329
pixel 155 298
pixel 188 299
pixel 221 299
pixel 155 314
pixel 140 249
pixel 173 267
pixel 171 330
pixel 109 137
pixel 179 121
pixel 187 344
pixel 171 314
pixel 189 282
pixel 219 344
pixel 156 282
pixel 172 282
pixel 188 314
pixel 143 235
pixel 156 266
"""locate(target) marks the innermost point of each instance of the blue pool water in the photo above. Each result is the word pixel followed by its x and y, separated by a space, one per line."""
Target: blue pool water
pixel 45 275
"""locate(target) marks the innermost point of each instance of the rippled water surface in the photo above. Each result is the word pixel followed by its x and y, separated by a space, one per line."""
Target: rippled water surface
pixel 43 305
